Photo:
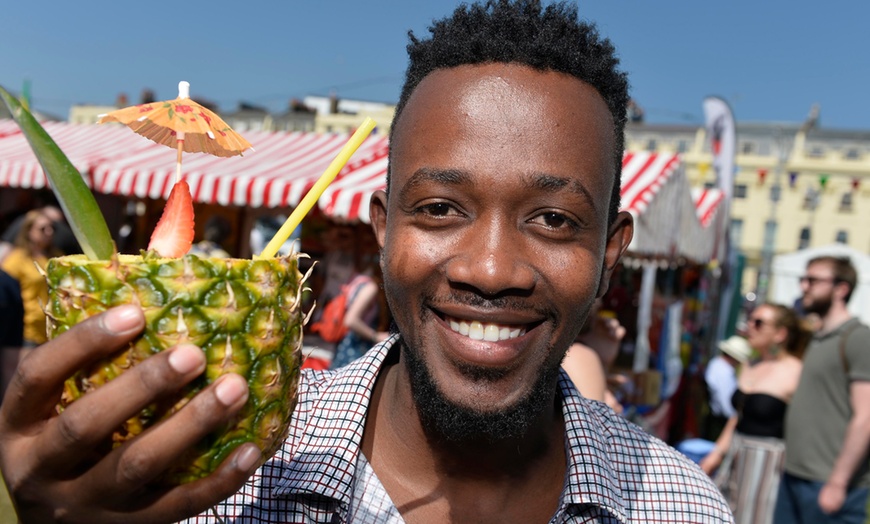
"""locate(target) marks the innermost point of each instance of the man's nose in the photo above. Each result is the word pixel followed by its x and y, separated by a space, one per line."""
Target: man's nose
pixel 494 258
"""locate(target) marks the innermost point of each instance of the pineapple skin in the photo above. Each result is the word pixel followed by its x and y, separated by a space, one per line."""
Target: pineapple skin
pixel 245 314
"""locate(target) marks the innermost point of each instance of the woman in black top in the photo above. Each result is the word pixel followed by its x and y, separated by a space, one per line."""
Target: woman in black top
pixel 748 455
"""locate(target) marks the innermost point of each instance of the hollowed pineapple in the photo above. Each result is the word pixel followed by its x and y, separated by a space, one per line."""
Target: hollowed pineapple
pixel 245 314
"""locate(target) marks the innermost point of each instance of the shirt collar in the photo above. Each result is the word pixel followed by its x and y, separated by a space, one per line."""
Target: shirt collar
pixel 591 478
pixel 324 462
pixel 820 335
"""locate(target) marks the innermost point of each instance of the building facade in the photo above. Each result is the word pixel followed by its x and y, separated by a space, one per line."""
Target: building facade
pixel 809 185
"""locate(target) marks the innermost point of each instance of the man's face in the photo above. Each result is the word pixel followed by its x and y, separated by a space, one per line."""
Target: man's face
pixel 495 239
pixel 818 286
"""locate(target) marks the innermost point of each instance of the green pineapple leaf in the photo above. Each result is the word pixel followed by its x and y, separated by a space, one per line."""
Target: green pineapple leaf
pixel 75 198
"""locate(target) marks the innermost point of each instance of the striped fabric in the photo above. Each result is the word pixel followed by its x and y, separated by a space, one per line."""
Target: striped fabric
pixel 282 167
pixel 617 473
pixel 749 477
pixel 707 202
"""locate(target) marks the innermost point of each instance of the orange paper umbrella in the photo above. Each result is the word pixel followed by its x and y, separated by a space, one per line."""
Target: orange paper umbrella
pixel 181 124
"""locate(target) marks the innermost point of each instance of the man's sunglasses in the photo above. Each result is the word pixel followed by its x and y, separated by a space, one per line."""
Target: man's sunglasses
pixel 812 281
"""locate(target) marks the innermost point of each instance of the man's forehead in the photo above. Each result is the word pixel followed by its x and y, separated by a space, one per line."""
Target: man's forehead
pixel 514 104
pixel 820 268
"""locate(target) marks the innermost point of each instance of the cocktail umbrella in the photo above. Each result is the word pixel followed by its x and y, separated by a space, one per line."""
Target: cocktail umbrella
pixel 181 124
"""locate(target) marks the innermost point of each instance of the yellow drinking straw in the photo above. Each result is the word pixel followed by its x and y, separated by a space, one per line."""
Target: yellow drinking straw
pixel 319 187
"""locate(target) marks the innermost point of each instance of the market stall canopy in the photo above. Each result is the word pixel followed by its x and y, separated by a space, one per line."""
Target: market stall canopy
pixel 667 220
pixel 707 202
pixel 285 165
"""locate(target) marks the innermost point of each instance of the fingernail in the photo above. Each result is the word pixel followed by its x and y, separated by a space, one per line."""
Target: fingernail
pixel 123 318
pixel 248 458
pixel 185 359
pixel 230 389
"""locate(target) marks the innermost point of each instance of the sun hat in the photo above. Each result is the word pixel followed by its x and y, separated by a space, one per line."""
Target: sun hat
pixel 737 347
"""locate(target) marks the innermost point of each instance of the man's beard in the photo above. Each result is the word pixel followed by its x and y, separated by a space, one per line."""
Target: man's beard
pixel 818 305
pixel 446 420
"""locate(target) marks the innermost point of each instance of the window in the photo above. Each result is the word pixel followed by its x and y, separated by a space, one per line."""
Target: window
pixel 804 240
pixel 852 154
pixel 747 148
pixel 736 232
pixel 816 152
pixel 842 237
pixel 710 185
pixel 651 144
pixel 811 199
pixel 740 191
pixel 846 202
pixel 682 146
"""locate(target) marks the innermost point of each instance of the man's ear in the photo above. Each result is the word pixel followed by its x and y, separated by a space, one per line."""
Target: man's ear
pixel 618 238
pixel 842 290
pixel 378 216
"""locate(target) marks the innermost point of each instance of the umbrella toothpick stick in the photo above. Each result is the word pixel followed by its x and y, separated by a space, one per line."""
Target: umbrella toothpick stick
pixel 183 92
pixel 319 187
pixel 180 147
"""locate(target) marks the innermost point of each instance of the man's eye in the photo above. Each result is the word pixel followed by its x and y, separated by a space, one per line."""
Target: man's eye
pixel 555 220
pixel 438 209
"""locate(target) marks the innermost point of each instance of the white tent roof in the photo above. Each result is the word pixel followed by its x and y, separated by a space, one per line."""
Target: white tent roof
pixel 788 268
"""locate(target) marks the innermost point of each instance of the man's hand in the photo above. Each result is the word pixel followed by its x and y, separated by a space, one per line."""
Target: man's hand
pixel 832 497
pixel 52 464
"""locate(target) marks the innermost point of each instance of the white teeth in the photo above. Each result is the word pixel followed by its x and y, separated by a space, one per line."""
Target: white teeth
pixel 475 331
pixel 489 332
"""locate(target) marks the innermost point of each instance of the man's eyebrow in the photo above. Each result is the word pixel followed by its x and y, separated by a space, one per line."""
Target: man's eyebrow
pixel 439 176
pixel 552 184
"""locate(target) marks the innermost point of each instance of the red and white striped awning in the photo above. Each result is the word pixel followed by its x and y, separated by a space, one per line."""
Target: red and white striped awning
pixel 643 174
pixel 278 173
pixel 85 146
pixel 707 202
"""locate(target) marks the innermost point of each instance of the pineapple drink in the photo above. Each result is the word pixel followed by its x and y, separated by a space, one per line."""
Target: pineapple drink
pixel 245 315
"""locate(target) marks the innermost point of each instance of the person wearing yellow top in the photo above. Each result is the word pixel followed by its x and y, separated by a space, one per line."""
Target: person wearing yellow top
pixel 33 245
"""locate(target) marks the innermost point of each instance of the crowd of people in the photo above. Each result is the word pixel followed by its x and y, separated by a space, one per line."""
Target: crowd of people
pixel 795 449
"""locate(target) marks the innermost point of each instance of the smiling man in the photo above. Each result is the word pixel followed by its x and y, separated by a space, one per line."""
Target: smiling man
pixel 498 230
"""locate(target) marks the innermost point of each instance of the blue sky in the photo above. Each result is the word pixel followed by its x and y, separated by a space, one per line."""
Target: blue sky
pixel 772 60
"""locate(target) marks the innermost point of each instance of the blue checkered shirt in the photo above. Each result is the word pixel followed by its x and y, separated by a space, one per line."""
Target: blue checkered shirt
pixel 617 473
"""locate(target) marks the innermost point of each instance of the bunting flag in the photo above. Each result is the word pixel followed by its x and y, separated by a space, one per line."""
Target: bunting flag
pixel 792 178
pixel 762 174
pixel 856 183
pixel 823 180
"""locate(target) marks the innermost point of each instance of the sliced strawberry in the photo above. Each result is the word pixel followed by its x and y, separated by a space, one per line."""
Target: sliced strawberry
pixel 173 235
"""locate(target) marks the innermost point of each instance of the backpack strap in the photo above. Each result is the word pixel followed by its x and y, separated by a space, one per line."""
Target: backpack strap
pixel 844 338
pixel 353 288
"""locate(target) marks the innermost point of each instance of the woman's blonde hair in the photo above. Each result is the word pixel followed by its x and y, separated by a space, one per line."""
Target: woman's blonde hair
pixel 22 239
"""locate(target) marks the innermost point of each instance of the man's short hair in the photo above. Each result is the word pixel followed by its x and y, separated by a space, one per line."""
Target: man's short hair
pixel 524 32
pixel 843 269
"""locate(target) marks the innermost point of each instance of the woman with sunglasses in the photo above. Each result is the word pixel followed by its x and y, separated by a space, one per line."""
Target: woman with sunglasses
pixel 32 244
pixel 748 455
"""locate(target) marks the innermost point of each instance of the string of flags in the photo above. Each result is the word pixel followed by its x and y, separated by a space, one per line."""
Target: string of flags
pixel 704 167
pixel 824 178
